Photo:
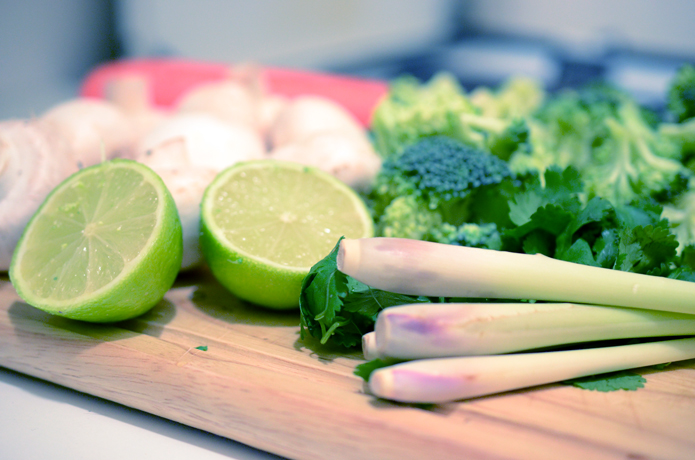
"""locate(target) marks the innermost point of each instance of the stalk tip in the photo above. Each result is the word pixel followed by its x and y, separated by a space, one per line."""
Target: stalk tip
pixel 369 347
pixel 348 257
pixel 381 384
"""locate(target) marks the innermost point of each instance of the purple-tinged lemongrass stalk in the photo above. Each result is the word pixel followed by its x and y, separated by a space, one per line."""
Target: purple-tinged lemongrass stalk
pixel 463 329
pixel 449 379
pixel 416 267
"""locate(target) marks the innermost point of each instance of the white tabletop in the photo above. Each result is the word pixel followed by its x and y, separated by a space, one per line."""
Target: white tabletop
pixel 43 421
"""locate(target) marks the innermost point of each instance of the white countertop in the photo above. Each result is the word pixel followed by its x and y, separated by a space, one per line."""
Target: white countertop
pixel 40 420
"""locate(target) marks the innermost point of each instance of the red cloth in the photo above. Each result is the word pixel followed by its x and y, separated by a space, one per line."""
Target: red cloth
pixel 169 79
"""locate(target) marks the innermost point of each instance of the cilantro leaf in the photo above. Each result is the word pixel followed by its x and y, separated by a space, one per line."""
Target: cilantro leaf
pixel 364 370
pixel 337 309
pixel 644 249
pixel 614 381
pixel 321 293
pixel 581 253
pixel 559 187
pixel 553 217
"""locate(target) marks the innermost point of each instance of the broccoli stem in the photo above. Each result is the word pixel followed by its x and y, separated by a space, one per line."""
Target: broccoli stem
pixel 449 379
pixel 492 124
pixel 464 329
pixel 415 267
pixel 622 173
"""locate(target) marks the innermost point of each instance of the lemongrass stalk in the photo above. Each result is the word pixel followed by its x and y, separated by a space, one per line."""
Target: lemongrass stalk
pixel 462 329
pixel 450 379
pixel 416 267
pixel 369 346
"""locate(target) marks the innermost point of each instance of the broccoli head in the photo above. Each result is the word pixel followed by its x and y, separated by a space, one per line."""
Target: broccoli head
pixel 681 105
pixel 574 122
pixel 681 216
pixel 518 97
pixel 604 134
pixel 407 216
pixel 681 93
pixel 633 161
pixel 413 110
pixel 682 134
pixel 485 236
pixel 431 190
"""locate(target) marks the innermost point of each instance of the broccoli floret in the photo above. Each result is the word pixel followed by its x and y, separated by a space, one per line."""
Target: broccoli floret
pixel 518 97
pixel 500 122
pixel 603 133
pixel 681 94
pixel 432 189
pixel 408 216
pixel 682 134
pixel 574 123
pixel 413 110
pixel 633 161
pixel 472 235
pixel 681 217
pixel 501 137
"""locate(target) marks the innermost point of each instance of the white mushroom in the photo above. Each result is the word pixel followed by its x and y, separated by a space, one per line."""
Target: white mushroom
pixel 33 160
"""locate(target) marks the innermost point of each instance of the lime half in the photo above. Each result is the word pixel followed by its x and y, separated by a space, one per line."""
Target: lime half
pixel 105 245
pixel 265 223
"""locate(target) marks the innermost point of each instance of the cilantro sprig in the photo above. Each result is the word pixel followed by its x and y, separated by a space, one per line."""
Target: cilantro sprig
pixel 337 307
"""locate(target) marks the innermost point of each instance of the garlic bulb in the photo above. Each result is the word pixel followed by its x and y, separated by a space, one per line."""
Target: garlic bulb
pixel 304 116
pixel 187 183
pixel 210 142
pixel 228 100
pixel 347 155
pixel 132 95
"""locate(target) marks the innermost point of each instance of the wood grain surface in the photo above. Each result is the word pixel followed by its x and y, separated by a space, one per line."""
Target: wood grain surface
pixel 257 383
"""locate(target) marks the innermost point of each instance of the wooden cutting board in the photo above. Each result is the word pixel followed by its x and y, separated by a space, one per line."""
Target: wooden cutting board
pixel 257 383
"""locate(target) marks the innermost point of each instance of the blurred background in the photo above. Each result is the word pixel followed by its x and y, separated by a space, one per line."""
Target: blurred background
pixel 48 46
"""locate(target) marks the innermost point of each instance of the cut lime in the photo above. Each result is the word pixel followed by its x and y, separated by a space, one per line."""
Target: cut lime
pixel 265 223
pixel 104 246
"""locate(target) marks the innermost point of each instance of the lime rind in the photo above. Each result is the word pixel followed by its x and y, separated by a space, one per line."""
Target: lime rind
pixel 143 281
pixel 262 280
pixel 208 204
